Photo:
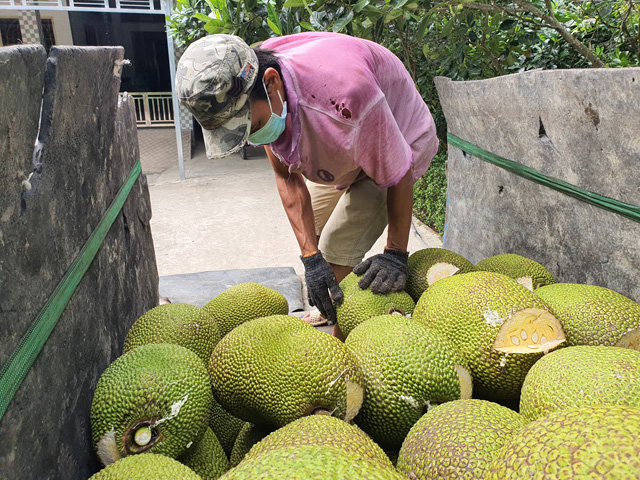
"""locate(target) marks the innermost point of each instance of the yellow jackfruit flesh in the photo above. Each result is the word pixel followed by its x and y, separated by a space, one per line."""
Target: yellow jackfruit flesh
pixel 429 265
pixel 498 326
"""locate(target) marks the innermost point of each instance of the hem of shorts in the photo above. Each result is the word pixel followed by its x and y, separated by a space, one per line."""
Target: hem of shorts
pixel 340 260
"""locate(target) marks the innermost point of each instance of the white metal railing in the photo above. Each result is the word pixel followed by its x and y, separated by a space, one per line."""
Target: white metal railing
pixel 153 109
pixel 139 6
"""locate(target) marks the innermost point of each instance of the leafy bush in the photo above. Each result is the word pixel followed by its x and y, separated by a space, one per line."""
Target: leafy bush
pixel 430 194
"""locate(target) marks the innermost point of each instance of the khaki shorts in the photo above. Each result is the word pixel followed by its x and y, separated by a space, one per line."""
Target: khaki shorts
pixel 348 221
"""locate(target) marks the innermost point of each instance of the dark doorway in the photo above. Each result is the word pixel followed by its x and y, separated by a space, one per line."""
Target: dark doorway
pixel 150 62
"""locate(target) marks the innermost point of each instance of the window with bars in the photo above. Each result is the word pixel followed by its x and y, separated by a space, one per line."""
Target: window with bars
pixel 47 32
pixel 10 31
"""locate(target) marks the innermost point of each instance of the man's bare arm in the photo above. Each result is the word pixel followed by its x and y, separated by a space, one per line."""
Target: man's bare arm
pixel 297 204
pixel 399 211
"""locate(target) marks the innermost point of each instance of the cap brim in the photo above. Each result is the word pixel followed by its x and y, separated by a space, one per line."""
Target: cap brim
pixel 231 136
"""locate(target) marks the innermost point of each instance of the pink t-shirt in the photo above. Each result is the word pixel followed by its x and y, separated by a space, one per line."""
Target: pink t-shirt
pixel 353 110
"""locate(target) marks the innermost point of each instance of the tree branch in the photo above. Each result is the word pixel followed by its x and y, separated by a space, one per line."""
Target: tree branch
pixel 564 33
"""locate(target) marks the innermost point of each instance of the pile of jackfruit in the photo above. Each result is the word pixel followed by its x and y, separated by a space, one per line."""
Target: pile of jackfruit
pixel 486 371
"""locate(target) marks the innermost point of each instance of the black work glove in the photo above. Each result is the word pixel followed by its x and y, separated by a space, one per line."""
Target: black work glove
pixel 384 273
pixel 320 281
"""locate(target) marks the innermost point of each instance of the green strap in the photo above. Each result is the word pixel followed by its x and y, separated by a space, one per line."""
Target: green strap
pixel 15 369
pixel 626 210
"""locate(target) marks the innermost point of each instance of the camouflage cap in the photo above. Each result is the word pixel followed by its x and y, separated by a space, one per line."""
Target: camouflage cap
pixel 213 79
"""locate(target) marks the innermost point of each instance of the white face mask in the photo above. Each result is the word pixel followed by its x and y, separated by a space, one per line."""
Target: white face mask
pixel 274 126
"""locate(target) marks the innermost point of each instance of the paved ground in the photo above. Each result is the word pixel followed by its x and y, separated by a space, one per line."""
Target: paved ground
pixel 158 150
pixel 227 215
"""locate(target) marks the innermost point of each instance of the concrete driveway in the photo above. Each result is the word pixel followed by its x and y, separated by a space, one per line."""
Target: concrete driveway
pixel 227 215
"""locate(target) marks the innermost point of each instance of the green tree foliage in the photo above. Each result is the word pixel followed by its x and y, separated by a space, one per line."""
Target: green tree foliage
pixel 460 39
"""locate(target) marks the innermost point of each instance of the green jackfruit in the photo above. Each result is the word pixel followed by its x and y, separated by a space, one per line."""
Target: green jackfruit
pixel 206 458
pixel 429 265
pixel 360 305
pixel 321 431
pixel 244 302
pixel 249 436
pixel 457 440
pixel 577 443
pixel 176 323
pixel 407 369
pixel 499 327
pixel 581 376
pixel 156 398
pixel 225 426
pixel 526 272
pixel 146 467
pixel 592 315
pixel 273 370
pixel 308 462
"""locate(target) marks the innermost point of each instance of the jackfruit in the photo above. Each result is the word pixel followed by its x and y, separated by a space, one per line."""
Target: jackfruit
pixel 592 315
pixel 581 376
pixel 429 265
pixel 273 370
pixel 249 436
pixel 407 368
pixel 156 398
pixel 578 443
pixel 360 305
pixel 244 302
pixel 206 458
pixel 225 426
pixel 457 440
pixel 176 323
pixel 146 467
pixel 322 431
pixel 307 462
pixel 498 326
pixel 526 272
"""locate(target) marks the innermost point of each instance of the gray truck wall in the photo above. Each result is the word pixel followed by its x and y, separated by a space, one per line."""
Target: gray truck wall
pixel 87 145
pixel 580 126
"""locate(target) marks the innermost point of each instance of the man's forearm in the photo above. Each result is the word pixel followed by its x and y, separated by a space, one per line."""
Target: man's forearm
pixel 297 205
pixel 399 211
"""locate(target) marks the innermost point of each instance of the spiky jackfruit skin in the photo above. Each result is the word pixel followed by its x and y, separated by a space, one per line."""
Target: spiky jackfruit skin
pixel 591 315
pixel 581 376
pixel 273 370
pixel 307 462
pixel 457 440
pixel 146 467
pixel 249 436
pixel 176 323
pixel 322 431
pixel 225 426
pixel 360 305
pixel 577 443
pixel 162 386
pixel 407 367
pixel 206 458
pixel 244 302
pixel 468 310
pixel 517 267
pixel 421 261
